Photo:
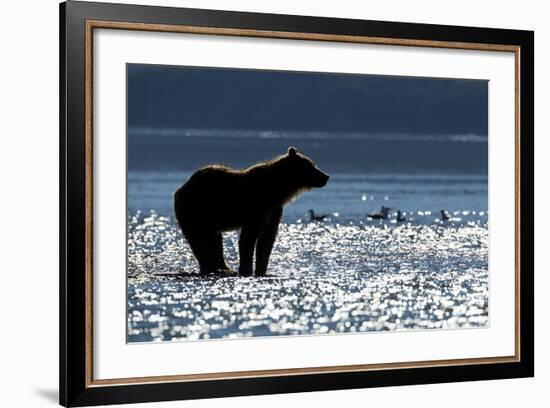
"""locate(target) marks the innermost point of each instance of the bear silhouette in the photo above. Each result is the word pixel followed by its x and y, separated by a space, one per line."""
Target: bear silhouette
pixel 217 198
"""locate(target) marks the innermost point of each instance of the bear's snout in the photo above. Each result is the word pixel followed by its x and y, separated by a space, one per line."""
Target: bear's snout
pixel 323 179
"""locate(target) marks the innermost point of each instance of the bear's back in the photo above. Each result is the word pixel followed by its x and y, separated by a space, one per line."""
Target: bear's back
pixel 208 182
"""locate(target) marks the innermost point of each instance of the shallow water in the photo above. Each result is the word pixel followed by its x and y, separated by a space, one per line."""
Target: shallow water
pixel 331 277
pixel 347 196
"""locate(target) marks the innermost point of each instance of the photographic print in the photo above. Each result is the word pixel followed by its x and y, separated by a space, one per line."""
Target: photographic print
pixel 268 203
pixel 257 204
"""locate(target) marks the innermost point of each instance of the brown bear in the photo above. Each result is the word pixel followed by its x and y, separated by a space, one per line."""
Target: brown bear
pixel 217 198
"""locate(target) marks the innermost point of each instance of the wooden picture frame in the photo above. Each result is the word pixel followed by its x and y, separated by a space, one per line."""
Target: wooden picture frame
pixel 78 20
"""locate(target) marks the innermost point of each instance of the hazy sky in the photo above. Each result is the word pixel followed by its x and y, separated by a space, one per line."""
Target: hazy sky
pixel 214 98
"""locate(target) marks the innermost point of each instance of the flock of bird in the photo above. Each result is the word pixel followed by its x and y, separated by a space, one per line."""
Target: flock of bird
pixel 383 214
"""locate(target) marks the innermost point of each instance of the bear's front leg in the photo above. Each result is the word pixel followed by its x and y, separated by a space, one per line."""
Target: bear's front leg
pixel 266 241
pixel 247 242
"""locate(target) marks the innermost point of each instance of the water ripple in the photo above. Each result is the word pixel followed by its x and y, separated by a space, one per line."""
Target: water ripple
pixel 323 278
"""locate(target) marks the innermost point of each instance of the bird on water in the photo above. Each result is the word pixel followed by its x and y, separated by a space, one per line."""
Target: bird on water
pixel 317 217
pixel 382 215
pixel 400 216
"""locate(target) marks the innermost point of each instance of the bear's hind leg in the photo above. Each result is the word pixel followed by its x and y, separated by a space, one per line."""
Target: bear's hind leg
pixel 217 245
pixel 203 247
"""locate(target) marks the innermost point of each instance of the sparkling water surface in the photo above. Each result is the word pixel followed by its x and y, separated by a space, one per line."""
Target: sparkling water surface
pixel 323 277
pixel 345 274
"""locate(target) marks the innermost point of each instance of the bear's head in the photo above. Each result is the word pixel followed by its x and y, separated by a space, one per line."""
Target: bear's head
pixel 304 171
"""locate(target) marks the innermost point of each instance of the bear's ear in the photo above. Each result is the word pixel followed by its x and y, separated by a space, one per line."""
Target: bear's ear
pixel 292 151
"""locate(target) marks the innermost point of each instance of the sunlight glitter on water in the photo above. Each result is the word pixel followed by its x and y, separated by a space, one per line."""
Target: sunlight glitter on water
pixel 323 278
